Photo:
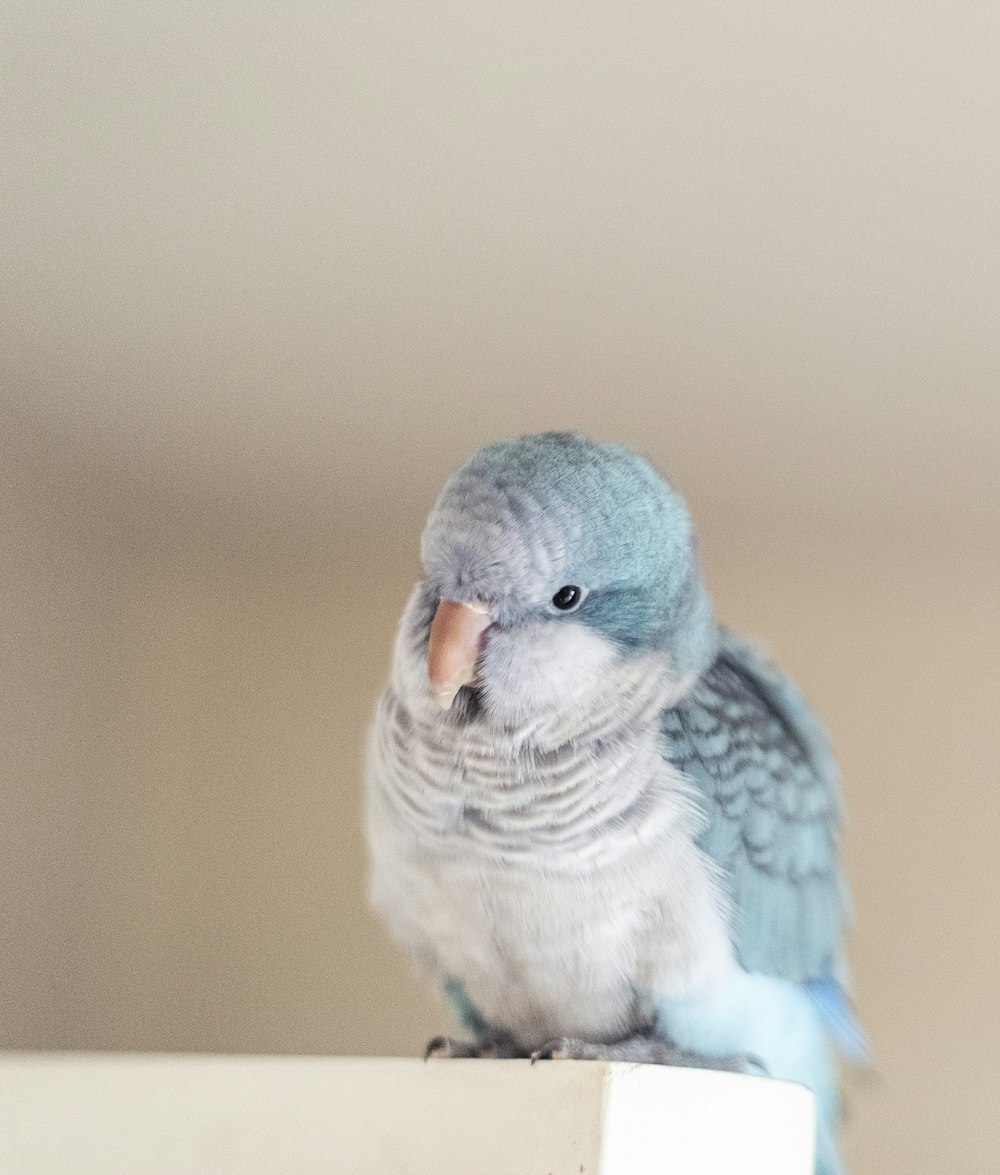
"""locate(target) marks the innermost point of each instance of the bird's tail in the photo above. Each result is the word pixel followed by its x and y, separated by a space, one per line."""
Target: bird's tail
pixel 841 1021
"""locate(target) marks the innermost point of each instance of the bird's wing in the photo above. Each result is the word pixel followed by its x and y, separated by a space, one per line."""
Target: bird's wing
pixel 763 769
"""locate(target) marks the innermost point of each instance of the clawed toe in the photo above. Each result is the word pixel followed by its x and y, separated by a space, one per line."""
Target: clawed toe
pixel 563 1048
pixel 437 1046
pixel 444 1047
pixel 496 1047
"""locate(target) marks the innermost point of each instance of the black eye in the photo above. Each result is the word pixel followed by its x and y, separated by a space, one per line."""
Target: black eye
pixel 567 598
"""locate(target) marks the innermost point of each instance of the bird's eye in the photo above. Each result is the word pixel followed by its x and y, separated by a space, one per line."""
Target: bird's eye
pixel 567 598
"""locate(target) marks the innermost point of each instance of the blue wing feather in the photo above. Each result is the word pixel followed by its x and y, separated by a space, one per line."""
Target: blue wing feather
pixel 768 783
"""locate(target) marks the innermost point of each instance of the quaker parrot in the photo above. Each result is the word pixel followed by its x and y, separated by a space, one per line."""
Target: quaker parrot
pixel 603 825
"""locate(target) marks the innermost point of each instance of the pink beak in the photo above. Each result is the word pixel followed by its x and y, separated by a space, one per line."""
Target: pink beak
pixel 456 637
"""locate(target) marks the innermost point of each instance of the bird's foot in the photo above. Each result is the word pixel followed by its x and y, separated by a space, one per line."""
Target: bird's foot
pixel 644 1050
pixel 492 1048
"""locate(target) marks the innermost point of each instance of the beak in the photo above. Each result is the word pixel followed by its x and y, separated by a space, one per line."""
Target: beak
pixel 456 634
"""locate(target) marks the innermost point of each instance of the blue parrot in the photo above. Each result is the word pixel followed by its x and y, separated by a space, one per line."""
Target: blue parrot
pixel 603 825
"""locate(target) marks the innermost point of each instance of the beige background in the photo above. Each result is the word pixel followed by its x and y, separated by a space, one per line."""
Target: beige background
pixel 270 271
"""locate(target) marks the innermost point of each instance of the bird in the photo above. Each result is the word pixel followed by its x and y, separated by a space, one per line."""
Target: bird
pixel 603 825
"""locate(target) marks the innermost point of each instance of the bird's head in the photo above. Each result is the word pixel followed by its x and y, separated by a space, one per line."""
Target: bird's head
pixel 547 559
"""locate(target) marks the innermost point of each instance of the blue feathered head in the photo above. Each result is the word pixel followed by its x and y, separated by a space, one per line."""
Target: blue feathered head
pixel 558 533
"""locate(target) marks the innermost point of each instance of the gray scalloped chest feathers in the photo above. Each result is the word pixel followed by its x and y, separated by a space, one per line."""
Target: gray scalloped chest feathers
pixel 592 813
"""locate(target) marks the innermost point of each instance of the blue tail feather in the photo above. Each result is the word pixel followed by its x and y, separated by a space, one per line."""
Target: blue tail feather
pixel 840 1020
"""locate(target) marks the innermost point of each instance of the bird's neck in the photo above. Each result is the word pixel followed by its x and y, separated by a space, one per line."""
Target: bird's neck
pixel 553 785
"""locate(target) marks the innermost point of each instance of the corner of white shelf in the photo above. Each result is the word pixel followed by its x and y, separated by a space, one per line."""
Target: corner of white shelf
pixel 105 1114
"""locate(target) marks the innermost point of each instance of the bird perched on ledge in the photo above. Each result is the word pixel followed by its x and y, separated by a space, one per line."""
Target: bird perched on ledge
pixel 602 825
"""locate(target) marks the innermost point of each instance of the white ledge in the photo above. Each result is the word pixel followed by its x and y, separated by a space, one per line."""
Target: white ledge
pixel 112 1114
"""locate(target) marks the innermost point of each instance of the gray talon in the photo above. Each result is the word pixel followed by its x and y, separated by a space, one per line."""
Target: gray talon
pixel 437 1046
pixel 442 1047
pixel 490 1047
pixel 560 1049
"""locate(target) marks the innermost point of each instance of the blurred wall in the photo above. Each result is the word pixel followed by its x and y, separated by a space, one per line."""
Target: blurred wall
pixel 270 271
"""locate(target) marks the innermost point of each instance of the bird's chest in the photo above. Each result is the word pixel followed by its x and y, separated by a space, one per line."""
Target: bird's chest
pixel 558 894
pixel 538 954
